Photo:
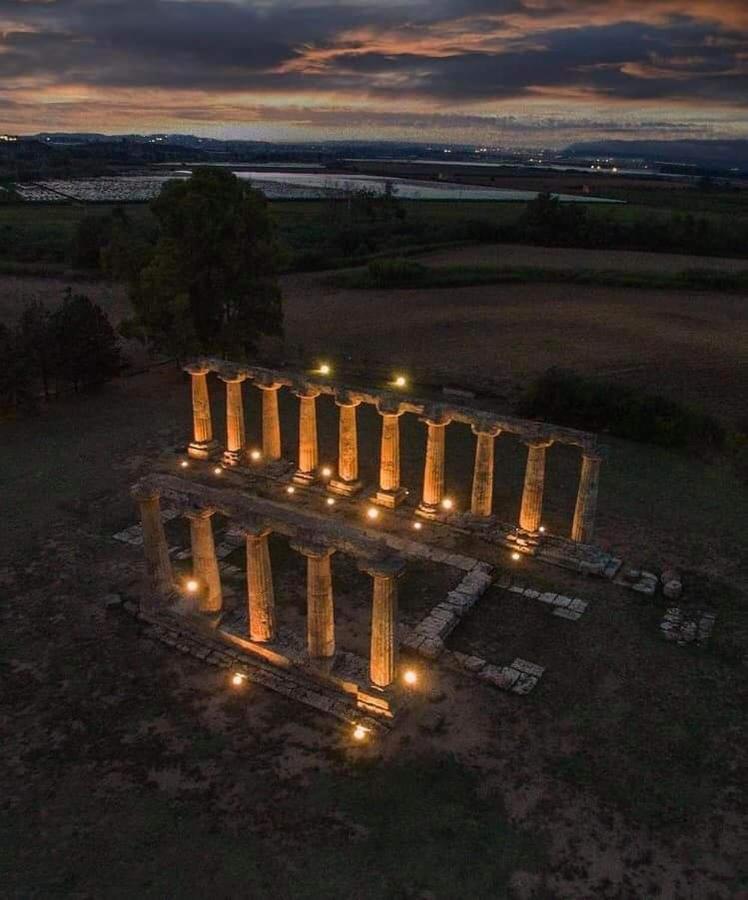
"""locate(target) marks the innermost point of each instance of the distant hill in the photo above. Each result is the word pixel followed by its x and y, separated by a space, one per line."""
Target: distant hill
pixel 720 155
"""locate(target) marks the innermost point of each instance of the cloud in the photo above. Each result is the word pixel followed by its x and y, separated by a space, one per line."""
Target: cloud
pixel 394 58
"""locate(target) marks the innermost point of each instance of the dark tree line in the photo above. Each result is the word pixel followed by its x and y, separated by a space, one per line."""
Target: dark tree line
pixel 72 345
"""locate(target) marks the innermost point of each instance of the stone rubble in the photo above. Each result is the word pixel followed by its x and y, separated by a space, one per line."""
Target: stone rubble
pixel 687 627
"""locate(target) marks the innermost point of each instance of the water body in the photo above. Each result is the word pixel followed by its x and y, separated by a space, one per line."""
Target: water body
pixel 309 185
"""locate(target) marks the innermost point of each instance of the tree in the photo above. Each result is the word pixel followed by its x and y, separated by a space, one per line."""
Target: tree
pixel 15 372
pixel 87 351
pixel 211 284
pixel 37 340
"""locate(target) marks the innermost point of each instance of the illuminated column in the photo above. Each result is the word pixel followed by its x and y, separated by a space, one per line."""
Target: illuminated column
pixel 271 433
pixel 235 451
pixel 433 472
pixel 320 620
pixel 347 482
pixel 203 446
pixel 481 505
pixel 584 512
pixel 383 658
pixel 308 453
pixel 260 595
pixel 531 512
pixel 390 493
pixel 204 561
pixel 159 576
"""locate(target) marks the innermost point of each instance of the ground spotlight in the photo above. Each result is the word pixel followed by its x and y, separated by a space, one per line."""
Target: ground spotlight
pixel 372 513
pixel 515 556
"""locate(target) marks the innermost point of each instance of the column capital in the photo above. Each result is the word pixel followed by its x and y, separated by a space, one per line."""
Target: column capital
pixel 594 454
pixel 144 492
pixel 387 567
pixel 481 427
pixel 537 443
pixel 310 549
pixel 266 383
pixel 232 376
pixel 198 512
pixel 305 391
pixel 198 367
pixel 254 530
pixel 436 415
pixel 346 398
pixel 389 406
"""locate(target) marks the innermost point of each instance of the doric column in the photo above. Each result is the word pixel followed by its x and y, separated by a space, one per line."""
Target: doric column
pixel 481 505
pixel 584 512
pixel 203 446
pixel 260 595
pixel 271 433
pixel 383 659
pixel 235 430
pixel 204 561
pixel 433 472
pixel 347 482
pixel 531 513
pixel 159 576
pixel 308 452
pixel 390 493
pixel 320 619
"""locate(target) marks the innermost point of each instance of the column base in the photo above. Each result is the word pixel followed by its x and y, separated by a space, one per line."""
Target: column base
pixel 390 499
pixel 202 449
pixel 344 488
pixel 233 458
pixel 428 510
pixel 305 478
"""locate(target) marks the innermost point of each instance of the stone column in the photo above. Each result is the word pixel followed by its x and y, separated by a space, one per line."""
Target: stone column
pixel 203 446
pixel 481 505
pixel 159 583
pixel 586 506
pixel 204 561
pixel 308 452
pixel 433 472
pixel 320 621
pixel 235 431
pixel 347 482
pixel 383 659
pixel 260 595
pixel 531 512
pixel 271 434
pixel 390 493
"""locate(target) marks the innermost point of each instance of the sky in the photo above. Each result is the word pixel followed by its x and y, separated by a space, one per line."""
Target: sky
pixel 494 72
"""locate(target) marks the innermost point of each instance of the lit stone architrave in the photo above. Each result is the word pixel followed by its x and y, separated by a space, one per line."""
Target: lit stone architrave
pixel 433 472
pixel 235 452
pixel 347 483
pixel 271 433
pixel 531 511
pixel 159 583
pixel 260 594
pixel 481 504
pixel 308 451
pixel 204 561
pixel 320 619
pixel 584 512
pixel 390 493
pixel 203 446
pixel 383 659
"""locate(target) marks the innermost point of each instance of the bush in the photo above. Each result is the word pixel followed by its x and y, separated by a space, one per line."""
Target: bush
pixel 394 272
pixel 626 412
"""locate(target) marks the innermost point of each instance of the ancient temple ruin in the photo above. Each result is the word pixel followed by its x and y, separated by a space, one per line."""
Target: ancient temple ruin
pixel 287 501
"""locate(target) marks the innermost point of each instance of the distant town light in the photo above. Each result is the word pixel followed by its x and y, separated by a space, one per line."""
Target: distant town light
pixel 324 369
pixel 400 381
pixel 372 513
